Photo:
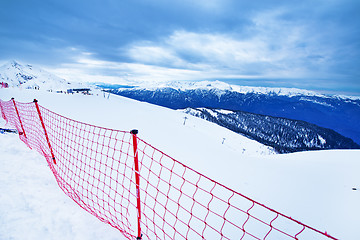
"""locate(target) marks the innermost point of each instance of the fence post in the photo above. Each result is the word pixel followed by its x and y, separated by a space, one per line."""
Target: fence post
pixel 137 180
pixel 17 112
pixel 46 135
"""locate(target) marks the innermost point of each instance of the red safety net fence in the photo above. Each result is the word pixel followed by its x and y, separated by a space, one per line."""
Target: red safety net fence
pixel 138 189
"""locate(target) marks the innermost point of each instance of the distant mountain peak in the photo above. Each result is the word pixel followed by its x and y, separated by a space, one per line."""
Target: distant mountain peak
pixel 14 63
pixel 16 74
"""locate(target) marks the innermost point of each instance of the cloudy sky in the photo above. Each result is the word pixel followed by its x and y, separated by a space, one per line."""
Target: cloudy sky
pixel 311 44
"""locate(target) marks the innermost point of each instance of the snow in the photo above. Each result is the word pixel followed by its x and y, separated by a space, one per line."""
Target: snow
pixel 322 140
pixel 220 87
pixel 312 187
pixel 224 111
pixel 185 85
pixel 316 102
pixel 32 206
pixel 27 76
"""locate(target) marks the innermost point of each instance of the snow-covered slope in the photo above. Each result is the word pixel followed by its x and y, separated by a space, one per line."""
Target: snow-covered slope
pixel 30 77
pixel 283 134
pixel 32 206
pixel 155 123
pixel 313 187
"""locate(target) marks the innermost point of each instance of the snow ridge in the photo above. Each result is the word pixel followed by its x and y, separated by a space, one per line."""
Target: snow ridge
pixel 221 87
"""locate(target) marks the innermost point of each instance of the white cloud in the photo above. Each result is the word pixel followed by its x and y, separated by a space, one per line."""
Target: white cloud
pixel 89 69
pixel 219 48
pixel 273 47
pixel 198 50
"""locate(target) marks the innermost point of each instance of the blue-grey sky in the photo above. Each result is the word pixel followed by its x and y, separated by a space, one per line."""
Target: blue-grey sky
pixel 311 44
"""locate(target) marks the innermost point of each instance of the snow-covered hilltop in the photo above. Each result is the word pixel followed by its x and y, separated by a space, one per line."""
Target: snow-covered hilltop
pixel 28 76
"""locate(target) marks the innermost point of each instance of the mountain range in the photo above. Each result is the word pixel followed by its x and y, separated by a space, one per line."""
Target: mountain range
pixel 287 119
pixel 336 112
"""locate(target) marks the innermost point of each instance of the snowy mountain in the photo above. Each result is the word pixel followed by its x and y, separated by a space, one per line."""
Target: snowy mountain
pixel 220 87
pixel 340 113
pixel 285 135
pixel 30 77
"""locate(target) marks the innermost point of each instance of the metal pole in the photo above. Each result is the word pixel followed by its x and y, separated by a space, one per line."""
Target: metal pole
pixel 185 120
pixel 137 180
pixel 17 112
pixel 46 135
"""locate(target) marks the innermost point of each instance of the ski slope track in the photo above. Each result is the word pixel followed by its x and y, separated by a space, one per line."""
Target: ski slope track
pixel 318 188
